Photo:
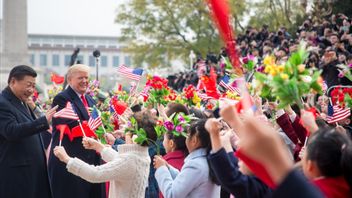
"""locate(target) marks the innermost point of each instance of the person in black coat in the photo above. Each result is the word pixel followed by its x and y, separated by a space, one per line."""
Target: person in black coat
pixel 23 169
pixel 64 184
pixel 226 170
pixel 261 143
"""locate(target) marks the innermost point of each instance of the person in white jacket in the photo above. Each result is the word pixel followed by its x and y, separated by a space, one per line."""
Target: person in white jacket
pixel 127 170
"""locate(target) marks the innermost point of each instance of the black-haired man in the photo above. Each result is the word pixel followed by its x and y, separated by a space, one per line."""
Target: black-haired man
pixel 23 168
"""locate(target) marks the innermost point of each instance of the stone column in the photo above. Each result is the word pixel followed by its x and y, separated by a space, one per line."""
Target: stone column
pixel 14 37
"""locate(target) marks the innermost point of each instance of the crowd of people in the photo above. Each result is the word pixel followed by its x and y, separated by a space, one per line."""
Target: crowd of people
pixel 178 149
pixel 329 42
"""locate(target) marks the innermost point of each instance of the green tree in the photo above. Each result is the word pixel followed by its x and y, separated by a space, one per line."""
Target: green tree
pixel 342 6
pixel 276 13
pixel 158 31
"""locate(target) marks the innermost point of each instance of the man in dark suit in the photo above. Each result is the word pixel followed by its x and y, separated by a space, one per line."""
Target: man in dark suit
pixel 64 184
pixel 23 169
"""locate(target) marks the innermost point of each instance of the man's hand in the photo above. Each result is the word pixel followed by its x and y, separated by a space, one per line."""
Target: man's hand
pixel 50 113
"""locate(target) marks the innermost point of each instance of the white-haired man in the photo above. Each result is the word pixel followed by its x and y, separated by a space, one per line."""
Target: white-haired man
pixel 65 184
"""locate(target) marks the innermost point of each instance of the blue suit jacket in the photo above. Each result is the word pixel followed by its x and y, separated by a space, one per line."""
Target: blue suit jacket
pixel 23 170
pixel 64 184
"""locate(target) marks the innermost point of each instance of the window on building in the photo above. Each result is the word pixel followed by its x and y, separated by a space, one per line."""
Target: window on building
pixel 115 61
pixel 32 59
pixel 104 61
pixel 43 60
pixel 56 60
pixel 67 60
pixel 127 61
pixel 91 61
pixel 80 58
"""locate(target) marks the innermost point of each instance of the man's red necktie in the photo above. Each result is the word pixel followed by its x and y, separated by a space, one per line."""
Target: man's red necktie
pixel 85 103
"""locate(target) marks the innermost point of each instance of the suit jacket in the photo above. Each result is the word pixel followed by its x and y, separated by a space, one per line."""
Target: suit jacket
pixel 65 184
pixel 23 169
pixel 226 170
pixel 192 181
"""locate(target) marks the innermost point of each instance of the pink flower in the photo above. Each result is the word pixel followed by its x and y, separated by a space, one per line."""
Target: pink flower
pixel 245 60
pixel 181 119
pixel 341 75
pixel 179 128
pixel 261 69
pixel 222 65
pixel 169 125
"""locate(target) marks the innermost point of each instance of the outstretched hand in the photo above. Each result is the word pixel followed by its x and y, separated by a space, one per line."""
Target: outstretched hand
pixel 60 152
pixel 90 143
pixel 50 113
pixel 262 143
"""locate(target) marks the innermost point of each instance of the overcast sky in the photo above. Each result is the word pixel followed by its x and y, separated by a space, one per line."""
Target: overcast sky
pixel 73 17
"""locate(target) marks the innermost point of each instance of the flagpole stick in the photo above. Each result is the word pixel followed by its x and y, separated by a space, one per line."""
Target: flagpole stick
pixel 305 141
pixel 135 91
pixel 80 125
pixel 250 76
pixel 133 102
pixel 60 142
pixel 123 119
pixel 103 127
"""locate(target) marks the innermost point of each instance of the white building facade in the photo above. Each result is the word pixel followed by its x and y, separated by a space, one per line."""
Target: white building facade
pixel 52 53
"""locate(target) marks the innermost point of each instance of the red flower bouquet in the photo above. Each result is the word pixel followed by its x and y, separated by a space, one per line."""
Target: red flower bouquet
pixel 159 92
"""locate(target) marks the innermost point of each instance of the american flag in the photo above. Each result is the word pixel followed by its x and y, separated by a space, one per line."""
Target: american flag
pixel 337 113
pixel 133 88
pixel 113 112
pixel 204 96
pixel 145 91
pixel 95 120
pixel 133 74
pixel 225 82
pixel 67 112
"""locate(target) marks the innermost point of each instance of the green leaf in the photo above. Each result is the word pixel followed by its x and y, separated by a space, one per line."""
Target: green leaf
pixel 260 76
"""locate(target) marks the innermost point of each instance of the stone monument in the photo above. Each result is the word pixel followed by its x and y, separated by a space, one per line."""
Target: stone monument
pixel 14 45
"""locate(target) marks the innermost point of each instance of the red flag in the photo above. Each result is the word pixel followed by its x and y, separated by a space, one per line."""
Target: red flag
pixel 245 103
pixel 57 79
pixel 119 106
pixel 257 168
pixel 210 87
pixel 220 14
pixel 77 131
pixel 64 129
pixel 35 95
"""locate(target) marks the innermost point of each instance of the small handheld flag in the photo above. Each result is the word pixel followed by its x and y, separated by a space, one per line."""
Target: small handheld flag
pixel 67 112
pixel 133 74
pixel 95 120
